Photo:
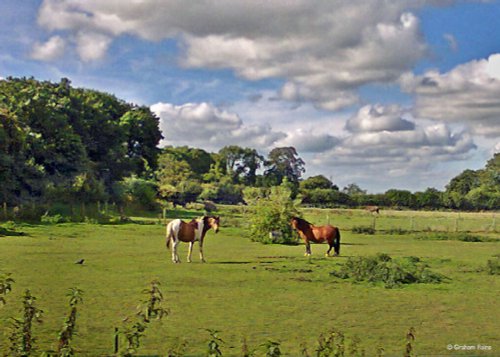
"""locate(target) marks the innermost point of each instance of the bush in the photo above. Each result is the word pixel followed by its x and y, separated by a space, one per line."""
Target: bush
pixel 493 266
pixel 139 191
pixel 270 215
pixel 53 219
pixel 363 230
pixel 391 272
pixel 461 236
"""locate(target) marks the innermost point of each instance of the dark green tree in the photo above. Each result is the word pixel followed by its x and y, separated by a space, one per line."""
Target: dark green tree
pixel 283 162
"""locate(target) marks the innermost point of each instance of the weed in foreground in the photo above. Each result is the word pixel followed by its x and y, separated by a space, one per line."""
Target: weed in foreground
pixel 21 340
pixel 5 287
pixel 133 331
pixel 64 348
pixel 214 344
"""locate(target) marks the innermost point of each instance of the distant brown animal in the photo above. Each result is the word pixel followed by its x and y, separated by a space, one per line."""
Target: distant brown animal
pixel 317 234
pixel 180 231
pixel 373 209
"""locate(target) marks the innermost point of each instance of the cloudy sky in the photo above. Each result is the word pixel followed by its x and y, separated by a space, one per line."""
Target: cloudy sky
pixel 386 94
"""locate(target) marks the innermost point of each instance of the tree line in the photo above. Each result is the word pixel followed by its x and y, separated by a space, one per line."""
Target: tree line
pixel 72 145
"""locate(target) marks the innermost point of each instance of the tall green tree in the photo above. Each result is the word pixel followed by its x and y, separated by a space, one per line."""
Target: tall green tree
pixel 241 164
pixel 283 162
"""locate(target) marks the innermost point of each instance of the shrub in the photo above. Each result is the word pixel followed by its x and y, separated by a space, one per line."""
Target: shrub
pixel 461 236
pixel 391 272
pixel 53 219
pixel 493 266
pixel 139 191
pixel 363 230
pixel 270 215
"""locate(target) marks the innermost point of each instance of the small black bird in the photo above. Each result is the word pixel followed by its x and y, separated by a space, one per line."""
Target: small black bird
pixel 80 261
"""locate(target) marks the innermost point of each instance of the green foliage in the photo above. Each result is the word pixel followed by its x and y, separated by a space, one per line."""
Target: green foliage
pixel 240 164
pixel 322 197
pixel 21 339
pixel 493 266
pixel 5 287
pixel 391 272
pixel 64 348
pixel 283 162
pixel 460 236
pixel 272 348
pixel 270 215
pixel 150 308
pixel 214 344
pixel 315 182
pixel 62 140
pixel 363 230
pixel 139 191
pixel 410 339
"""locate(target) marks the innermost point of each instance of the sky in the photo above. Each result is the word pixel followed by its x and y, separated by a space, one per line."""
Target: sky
pixel 385 94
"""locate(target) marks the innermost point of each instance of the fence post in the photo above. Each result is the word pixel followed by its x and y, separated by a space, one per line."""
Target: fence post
pixel 5 210
pixel 116 340
pixel 494 223
pixel 374 222
pixel 412 224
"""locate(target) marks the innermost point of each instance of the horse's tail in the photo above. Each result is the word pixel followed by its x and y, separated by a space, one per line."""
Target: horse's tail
pixel 169 235
pixel 336 241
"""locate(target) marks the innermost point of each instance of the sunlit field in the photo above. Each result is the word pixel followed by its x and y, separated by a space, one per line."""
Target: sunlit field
pixel 257 292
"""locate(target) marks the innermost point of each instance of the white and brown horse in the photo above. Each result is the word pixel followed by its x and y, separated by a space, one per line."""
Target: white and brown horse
pixel 317 234
pixel 194 231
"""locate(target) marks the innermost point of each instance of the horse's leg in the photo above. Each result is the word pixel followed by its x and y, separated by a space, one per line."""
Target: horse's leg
pixel 308 248
pixel 190 251
pixel 336 243
pixel 202 258
pixel 175 256
pixel 327 254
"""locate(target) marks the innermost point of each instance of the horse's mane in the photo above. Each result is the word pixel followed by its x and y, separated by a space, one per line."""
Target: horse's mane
pixel 302 221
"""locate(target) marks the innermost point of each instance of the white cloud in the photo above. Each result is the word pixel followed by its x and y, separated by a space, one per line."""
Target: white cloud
pixel 325 50
pixel 92 46
pixel 50 50
pixel 309 141
pixel 452 41
pixel 384 146
pixel 379 118
pixel 467 94
pixel 206 126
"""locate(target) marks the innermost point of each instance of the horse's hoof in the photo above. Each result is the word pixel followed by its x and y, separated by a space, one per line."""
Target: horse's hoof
pixel 327 255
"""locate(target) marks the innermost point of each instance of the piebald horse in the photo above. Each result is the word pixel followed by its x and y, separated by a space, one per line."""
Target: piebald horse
pixel 194 231
pixel 317 234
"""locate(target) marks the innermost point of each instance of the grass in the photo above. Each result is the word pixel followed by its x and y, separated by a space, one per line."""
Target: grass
pixel 249 291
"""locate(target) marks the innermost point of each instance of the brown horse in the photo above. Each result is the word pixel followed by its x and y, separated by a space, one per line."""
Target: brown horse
pixel 180 231
pixel 317 234
pixel 373 209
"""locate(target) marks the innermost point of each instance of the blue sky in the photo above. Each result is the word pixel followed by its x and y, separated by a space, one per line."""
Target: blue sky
pixel 386 94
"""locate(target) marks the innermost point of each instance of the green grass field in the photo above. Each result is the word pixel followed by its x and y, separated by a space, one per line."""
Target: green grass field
pixel 259 292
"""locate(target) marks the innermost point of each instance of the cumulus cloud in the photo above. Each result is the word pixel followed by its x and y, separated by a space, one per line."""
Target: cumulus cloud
pixel 324 50
pixel 50 50
pixel 92 46
pixel 310 141
pixel 467 94
pixel 379 137
pixel 379 118
pixel 206 126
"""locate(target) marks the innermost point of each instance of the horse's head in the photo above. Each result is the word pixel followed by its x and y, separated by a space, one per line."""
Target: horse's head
pixel 213 222
pixel 294 222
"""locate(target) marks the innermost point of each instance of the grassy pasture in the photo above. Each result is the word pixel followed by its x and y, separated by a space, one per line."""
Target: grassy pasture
pixel 256 291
